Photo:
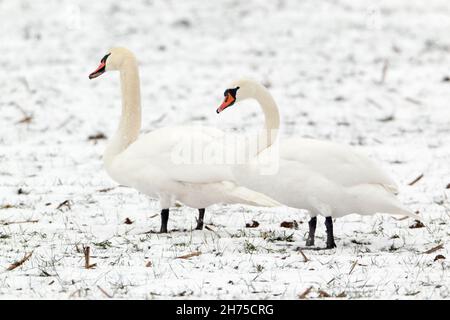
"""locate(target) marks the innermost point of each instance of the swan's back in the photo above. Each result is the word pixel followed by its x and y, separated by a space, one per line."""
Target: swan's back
pixel 155 165
pixel 180 153
pixel 339 163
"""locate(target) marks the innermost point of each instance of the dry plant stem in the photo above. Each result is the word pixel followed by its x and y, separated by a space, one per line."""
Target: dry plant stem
pixel 439 247
pixel 190 255
pixel 87 253
pixel 65 203
pixel 415 180
pixel 104 292
pixel 305 293
pixel 353 266
pixel 6 223
pixel 324 294
pixel 305 258
pixel 20 262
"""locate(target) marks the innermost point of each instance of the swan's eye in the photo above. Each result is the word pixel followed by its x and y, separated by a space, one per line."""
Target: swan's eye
pixel 225 93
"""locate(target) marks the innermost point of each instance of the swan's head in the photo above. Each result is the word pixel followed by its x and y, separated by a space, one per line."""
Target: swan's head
pixel 112 61
pixel 237 91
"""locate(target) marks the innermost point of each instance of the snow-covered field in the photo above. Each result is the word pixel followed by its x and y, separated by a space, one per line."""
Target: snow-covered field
pixel 346 71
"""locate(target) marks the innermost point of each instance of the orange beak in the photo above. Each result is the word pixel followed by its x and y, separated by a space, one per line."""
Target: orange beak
pixel 229 100
pixel 100 70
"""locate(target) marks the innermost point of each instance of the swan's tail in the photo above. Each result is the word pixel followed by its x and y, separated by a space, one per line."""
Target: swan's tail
pixel 401 211
pixel 373 198
pixel 392 188
pixel 238 194
pixel 253 198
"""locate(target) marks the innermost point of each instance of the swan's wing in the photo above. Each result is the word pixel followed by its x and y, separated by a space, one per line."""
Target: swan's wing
pixel 187 162
pixel 339 163
pixel 185 154
pixel 230 193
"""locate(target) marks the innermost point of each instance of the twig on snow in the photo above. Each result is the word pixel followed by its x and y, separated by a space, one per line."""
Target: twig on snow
pixel 324 294
pixel 65 203
pixel 106 189
pixel 305 258
pixel 7 223
pixel 439 247
pixel 190 255
pixel 87 253
pixel 104 292
pixel 20 262
pixel 353 266
pixel 416 180
pixel 305 293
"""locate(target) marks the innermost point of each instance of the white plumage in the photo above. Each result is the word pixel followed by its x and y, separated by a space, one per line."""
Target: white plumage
pixel 322 177
pixel 148 163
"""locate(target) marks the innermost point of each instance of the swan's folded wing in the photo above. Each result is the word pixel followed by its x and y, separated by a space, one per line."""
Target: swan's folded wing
pixel 191 173
pixel 230 193
pixel 185 154
pixel 339 163
pixel 250 197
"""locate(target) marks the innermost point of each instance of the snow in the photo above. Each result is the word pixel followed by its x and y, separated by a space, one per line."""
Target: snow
pixel 324 65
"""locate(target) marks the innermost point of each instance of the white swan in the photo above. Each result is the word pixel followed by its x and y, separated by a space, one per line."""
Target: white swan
pixel 322 177
pixel 147 164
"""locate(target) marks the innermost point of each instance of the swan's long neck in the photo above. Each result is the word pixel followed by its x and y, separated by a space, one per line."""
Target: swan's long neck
pixel 130 120
pixel 271 116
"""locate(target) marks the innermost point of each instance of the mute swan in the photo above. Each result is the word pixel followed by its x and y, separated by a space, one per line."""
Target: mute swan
pixel 322 177
pixel 147 164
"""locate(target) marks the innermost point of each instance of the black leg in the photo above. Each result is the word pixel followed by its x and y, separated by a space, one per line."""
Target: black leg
pixel 312 231
pixel 164 220
pixel 330 235
pixel 201 216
